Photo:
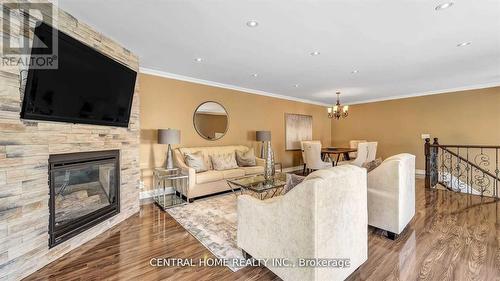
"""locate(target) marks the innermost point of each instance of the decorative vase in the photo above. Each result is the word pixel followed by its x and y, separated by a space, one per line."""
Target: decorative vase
pixel 269 168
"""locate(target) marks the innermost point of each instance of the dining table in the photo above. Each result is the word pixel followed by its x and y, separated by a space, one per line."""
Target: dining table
pixel 344 151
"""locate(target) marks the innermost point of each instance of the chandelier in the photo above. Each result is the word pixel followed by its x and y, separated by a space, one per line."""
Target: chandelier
pixel 337 110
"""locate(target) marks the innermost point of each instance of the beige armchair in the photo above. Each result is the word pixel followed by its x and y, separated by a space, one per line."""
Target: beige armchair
pixel 391 194
pixel 324 217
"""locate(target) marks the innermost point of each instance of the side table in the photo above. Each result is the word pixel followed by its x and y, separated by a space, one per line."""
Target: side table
pixel 164 178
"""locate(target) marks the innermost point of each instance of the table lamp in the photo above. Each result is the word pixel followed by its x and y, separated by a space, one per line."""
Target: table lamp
pixel 169 136
pixel 265 136
pixel 262 136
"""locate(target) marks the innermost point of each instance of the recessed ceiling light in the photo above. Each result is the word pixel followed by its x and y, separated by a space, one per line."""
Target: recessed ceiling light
pixel 296 85
pixel 443 6
pixel 464 44
pixel 198 59
pixel 354 71
pixel 252 23
pixel 255 75
pixel 315 53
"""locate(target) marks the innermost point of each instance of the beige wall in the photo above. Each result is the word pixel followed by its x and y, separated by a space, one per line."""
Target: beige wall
pixel 467 117
pixel 168 103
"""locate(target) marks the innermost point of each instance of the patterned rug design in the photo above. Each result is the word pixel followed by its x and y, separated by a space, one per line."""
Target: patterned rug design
pixel 213 221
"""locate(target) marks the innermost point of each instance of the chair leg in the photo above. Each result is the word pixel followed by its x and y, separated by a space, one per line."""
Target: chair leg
pixel 392 235
pixel 246 255
pixel 337 161
pixel 304 169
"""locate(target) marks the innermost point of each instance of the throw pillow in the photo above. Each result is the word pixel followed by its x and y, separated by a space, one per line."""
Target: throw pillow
pixel 222 162
pixel 292 181
pixel 195 161
pixel 370 166
pixel 245 159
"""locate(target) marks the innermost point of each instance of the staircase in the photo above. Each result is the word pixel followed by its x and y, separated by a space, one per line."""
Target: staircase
pixel 471 169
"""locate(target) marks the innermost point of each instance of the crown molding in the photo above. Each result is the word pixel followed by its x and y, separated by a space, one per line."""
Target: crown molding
pixel 436 92
pixel 263 93
pixel 164 74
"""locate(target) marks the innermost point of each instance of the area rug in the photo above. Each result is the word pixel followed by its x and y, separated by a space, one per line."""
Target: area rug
pixel 213 221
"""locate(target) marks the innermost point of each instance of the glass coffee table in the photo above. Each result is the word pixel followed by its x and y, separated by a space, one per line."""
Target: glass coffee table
pixel 258 186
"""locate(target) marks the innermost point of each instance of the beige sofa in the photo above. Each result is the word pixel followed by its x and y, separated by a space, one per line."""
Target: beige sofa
pixel 324 217
pixel 212 181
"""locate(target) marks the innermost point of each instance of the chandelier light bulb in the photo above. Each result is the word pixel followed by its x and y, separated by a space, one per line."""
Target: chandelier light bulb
pixel 335 111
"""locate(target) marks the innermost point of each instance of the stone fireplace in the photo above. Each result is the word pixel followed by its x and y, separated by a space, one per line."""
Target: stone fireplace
pixel 84 191
pixel 29 149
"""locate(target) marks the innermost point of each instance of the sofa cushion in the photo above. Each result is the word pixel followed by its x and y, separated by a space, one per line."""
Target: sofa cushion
pixel 245 158
pixel 209 176
pixel 212 150
pixel 233 173
pixel 195 161
pixel 253 170
pixel 371 165
pixel 292 181
pixel 224 161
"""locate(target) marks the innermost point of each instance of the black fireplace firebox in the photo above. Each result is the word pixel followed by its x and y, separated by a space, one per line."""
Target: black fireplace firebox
pixel 84 191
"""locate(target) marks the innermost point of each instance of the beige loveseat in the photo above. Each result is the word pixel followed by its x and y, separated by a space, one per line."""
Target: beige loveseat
pixel 212 181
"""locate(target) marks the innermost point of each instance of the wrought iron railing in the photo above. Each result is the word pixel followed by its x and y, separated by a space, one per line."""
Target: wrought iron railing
pixel 472 169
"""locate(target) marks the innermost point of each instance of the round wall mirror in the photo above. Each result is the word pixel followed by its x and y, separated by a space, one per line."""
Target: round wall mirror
pixel 210 120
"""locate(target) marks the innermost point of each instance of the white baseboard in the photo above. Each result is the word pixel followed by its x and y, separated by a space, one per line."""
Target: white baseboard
pixel 149 193
pixel 292 169
pixel 419 172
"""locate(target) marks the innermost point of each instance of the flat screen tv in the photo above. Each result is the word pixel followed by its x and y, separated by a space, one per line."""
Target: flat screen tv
pixel 86 87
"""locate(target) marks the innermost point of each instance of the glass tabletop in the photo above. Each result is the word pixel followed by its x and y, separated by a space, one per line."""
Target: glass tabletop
pixel 174 173
pixel 258 183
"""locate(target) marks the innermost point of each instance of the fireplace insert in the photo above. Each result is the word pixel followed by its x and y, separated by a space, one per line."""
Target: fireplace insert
pixel 84 191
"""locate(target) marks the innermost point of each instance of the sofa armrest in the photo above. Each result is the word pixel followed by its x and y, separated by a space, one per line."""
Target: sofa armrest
pixel 260 162
pixel 260 222
pixel 179 162
pixel 191 174
pixel 254 222
pixel 385 178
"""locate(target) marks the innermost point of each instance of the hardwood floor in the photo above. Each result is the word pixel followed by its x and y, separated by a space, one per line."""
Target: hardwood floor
pixel 452 237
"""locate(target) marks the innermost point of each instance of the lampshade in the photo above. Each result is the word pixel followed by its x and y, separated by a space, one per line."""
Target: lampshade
pixel 263 135
pixel 169 136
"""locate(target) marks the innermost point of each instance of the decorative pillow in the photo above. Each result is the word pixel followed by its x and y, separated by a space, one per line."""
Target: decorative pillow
pixel 245 159
pixel 222 162
pixel 195 161
pixel 370 166
pixel 292 181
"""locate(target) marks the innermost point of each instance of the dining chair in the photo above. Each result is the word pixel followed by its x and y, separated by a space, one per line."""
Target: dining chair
pixel 303 153
pixel 372 151
pixel 312 152
pixel 367 151
pixel 354 144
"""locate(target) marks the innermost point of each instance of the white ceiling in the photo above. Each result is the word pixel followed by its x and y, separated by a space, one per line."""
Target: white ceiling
pixel 400 47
